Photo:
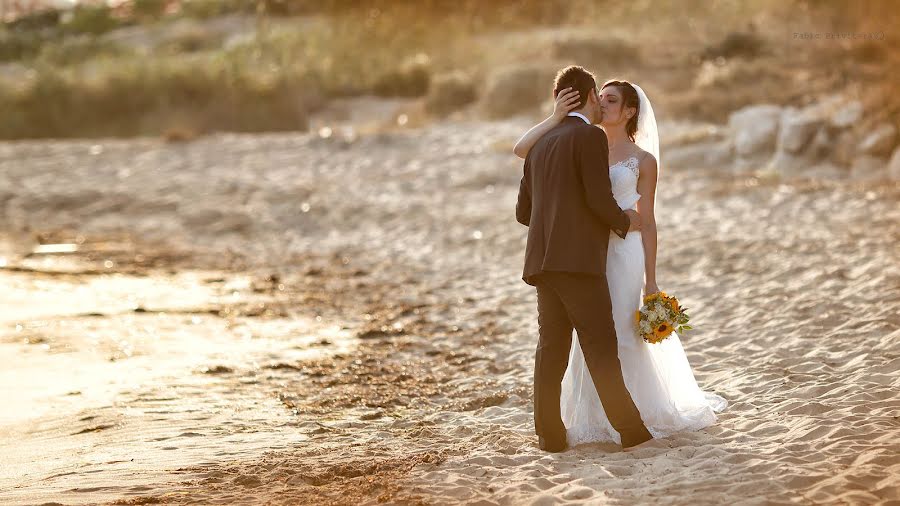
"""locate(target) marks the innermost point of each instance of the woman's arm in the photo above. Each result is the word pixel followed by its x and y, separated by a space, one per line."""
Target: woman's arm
pixel 647 189
pixel 566 100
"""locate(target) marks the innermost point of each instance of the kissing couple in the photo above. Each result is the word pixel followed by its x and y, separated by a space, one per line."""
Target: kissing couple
pixel 587 196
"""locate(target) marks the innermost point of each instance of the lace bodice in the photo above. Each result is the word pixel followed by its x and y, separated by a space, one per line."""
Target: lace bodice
pixel 623 177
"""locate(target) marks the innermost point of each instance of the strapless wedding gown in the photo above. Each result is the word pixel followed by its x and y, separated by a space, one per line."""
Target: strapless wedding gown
pixel 658 376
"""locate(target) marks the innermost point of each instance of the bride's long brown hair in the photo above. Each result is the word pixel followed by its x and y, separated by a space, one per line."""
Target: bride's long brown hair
pixel 629 99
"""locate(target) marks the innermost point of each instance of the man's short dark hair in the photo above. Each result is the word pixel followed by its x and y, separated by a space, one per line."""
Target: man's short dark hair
pixel 577 78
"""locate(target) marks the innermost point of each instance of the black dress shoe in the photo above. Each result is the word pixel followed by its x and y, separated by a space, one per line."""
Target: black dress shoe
pixel 551 446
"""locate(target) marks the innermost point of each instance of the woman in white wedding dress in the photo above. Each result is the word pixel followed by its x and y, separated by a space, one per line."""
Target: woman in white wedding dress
pixel 658 376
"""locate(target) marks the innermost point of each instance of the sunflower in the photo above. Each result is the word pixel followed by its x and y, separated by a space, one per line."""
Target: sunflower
pixel 651 297
pixel 674 303
pixel 662 331
pixel 652 338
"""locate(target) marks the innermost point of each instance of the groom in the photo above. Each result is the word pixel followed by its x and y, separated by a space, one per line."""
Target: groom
pixel 566 201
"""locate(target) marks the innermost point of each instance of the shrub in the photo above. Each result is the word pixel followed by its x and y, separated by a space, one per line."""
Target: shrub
pixel 141 97
pixel 595 52
pixel 450 92
pixel 514 90
pixel 190 39
pixel 93 19
pixel 410 79
pixel 149 8
pixel 16 45
pixel 869 52
pixel 77 49
pixel 36 21
pixel 204 9
pixel 736 45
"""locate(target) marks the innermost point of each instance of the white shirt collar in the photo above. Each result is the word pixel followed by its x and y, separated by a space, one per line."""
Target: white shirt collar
pixel 578 114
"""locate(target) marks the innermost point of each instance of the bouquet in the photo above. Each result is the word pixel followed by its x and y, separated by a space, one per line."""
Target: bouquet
pixel 660 316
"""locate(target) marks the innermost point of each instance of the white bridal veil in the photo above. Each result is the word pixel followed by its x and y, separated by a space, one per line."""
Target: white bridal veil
pixel 647 136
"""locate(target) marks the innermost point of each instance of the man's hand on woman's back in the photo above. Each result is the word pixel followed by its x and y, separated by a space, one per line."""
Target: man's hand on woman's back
pixel 635 220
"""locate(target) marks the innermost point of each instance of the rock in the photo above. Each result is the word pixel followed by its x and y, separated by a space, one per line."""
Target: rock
pixel 802 140
pixel 755 130
pixel 703 155
pixel 682 133
pixel 804 165
pixel 789 163
pixel 821 144
pixel 880 141
pixel 827 170
pixel 867 167
pixel 845 116
pixel 843 149
pixel 894 166
pixel 797 130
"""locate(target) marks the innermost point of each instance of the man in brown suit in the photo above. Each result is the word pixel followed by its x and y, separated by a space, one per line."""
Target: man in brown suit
pixel 566 201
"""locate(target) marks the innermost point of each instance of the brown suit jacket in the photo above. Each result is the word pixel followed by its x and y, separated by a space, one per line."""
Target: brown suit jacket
pixel 566 200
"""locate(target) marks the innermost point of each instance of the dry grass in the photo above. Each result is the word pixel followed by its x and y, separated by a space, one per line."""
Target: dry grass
pixel 82 84
pixel 450 92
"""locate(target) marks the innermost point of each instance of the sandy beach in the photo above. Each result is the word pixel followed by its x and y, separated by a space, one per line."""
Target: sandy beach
pixel 292 319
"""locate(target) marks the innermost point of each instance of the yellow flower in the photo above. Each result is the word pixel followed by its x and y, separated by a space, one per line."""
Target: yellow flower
pixel 674 303
pixel 662 331
pixel 652 338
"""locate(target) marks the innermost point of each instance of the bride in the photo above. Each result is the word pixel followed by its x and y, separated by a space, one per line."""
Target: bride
pixel 658 376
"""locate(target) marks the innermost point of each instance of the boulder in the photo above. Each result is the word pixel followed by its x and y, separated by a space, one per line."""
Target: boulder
pixel 880 141
pixel 867 168
pixel 797 130
pixel 822 143
pixel 839 111
pixel 786 163
pixel 827 170
pixel 755 130
pixel 846 115
pixel 894 166
pixel 703 155
pixel 843 149
pixel 802 140
pixel 682 133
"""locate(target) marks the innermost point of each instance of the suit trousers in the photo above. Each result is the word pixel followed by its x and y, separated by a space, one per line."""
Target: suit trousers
pixel 571 300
